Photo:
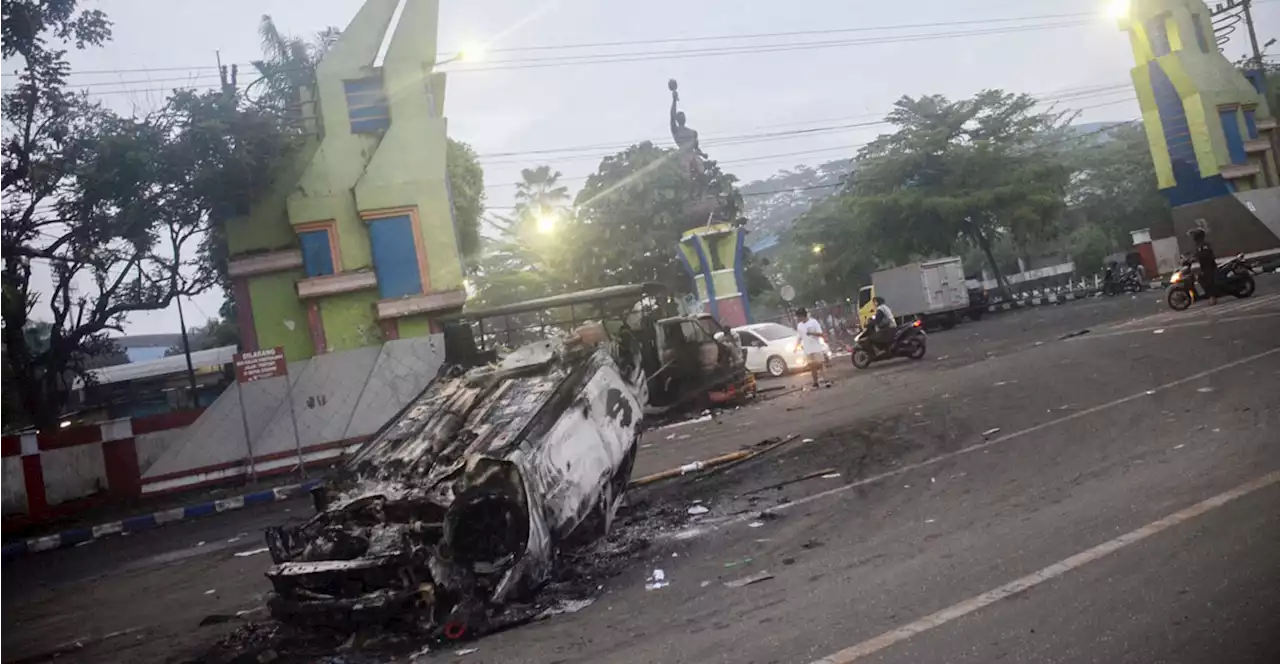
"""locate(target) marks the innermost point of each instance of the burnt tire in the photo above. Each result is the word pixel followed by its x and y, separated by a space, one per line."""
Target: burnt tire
pixel 776 366
pixel 861 358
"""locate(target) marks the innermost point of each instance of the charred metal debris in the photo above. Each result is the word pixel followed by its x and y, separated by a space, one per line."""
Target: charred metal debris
pixel 459 506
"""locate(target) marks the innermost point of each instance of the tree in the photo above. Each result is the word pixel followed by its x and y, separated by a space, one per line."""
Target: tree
pixel 633 210
pixel 108 204
pixel 1113 186
pixel 529 254
pixel 971 170
pixel 466 190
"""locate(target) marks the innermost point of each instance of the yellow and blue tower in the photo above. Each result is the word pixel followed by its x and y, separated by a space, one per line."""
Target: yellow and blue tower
pixel 1213 138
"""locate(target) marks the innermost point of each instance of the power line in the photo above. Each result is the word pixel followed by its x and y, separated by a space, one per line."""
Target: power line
pixel 795 33
pixel 741 139
pixel 665 40
pixel 565 61
pixel 859 145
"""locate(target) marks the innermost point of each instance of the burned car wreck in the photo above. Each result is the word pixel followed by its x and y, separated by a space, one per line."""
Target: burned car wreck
pixel 457 507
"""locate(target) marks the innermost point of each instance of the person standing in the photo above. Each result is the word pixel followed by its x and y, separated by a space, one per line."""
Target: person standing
pixel 1208 265
pixel 811 336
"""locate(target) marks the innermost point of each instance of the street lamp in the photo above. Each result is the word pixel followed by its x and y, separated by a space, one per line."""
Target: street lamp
pixel 1118 10
pixel 470 52
pixel 546 222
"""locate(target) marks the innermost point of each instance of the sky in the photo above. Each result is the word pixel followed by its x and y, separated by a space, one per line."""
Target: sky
pixel 1064 49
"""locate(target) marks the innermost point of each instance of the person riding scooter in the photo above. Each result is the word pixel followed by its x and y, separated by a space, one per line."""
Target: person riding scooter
pixel 883 326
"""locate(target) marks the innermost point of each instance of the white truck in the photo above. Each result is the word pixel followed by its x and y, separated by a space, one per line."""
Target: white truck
pixel 932 291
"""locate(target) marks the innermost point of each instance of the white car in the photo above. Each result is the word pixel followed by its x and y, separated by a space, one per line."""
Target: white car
pixel 773 348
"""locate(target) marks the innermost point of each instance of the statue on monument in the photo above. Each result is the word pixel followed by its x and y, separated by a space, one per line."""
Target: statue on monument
pixel 686 137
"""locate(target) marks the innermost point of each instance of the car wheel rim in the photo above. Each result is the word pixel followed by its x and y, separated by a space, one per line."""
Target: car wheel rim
pixel 777 367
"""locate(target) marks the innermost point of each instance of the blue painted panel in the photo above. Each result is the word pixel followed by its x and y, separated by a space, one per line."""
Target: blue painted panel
pixel 367 107
pixel 1251 123
pixel 1190 187
pixel 1159 36
pixel 395 257
pixel 1231 129
pixel 317 256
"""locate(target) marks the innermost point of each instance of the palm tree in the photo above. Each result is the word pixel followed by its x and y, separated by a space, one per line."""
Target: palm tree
pixel 540 193
pixel 289 63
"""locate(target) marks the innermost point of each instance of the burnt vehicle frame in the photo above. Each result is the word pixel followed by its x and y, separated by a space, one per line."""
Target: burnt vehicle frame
pixel 457 507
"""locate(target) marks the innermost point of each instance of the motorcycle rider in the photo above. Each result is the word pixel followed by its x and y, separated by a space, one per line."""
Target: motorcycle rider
pixel 1208 264
pixel 883 326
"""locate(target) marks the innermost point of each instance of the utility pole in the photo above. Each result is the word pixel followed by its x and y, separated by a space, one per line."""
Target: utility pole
pixel 193 399
pixel 1253 36
pixel 1246 13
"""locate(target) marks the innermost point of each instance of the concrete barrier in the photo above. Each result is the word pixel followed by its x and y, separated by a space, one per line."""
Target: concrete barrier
pixel 338 401
pixel 58 474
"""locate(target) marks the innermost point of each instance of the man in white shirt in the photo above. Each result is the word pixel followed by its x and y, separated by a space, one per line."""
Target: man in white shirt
pixel 811 336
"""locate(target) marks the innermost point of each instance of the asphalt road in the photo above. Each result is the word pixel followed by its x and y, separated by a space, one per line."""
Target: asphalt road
pixel 1015 496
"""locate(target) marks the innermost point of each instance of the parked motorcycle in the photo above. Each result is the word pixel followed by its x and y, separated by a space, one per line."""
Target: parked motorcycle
pixel 1122 280
pixel 1235 278
pixel 908 341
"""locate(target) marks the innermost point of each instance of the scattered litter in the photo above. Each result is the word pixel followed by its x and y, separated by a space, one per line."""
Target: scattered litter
pixel 755 524
pixel 942 357
pixel 811 544
pixel 735 563
pixel 657 580
pixel 906 486
pixel 930 520
pixel 465 651
pixel 567 606
pixel 933 480
pixel 705 417
pixel 698 509
pixel 991 432
pixel 788 561
pixel 1073 334
pixel 683 437
pixel 807 440
pixel 1217 430
pixel 704 584
pixel 748 580
pixel 211 591
pixel 1159 331
pixel 200 543
pixel 671 436
pixel 1039 343
pixel 1179 446
pixel 830 476
pixel 1150 392
pixel 691 467
pixel 251 552
pixel 237 538
pixel 1204 390
pixel 1001 383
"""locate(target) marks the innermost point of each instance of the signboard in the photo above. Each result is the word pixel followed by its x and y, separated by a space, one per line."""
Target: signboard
pixel 260 364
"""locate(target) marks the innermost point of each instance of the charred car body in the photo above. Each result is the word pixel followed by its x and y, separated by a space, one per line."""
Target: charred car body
pixel 457 507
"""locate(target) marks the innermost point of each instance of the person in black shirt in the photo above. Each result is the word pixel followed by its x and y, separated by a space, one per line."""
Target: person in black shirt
pixel 1208 265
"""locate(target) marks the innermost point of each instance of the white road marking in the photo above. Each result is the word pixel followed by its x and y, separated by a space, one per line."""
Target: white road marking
pixel 977 447
pixel 876 644
pixel 1159 330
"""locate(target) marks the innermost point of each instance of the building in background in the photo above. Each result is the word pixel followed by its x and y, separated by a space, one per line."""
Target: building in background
pixel 152 387
pixel 357 244
pixel 1213 137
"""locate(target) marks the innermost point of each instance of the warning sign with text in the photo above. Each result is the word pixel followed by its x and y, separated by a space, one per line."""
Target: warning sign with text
pixel 260 364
